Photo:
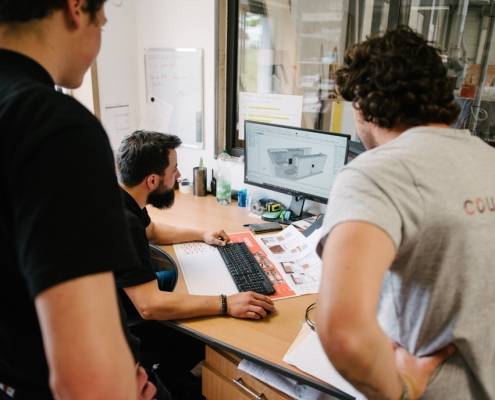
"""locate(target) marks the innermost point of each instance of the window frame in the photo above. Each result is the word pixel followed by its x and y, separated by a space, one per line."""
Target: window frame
pixel 231 105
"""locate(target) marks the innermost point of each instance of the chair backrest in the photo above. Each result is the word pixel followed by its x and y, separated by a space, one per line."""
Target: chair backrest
pixel 163 262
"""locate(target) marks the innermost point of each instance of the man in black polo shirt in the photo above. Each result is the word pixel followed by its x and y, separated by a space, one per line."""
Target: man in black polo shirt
pixel 147 163
pixel 62 228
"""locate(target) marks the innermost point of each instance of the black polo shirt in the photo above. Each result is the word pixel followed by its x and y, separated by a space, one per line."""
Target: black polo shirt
pixel 133 274
pixel 61 213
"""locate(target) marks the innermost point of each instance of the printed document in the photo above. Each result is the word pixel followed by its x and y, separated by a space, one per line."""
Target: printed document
pixel 280 382
pixel 271 108
pixel 307 354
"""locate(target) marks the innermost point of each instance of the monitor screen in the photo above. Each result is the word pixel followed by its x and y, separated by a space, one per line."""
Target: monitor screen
pixel 355 149
pixel 293 160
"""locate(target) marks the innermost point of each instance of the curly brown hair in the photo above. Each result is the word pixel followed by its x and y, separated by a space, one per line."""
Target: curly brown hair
pixel 398 79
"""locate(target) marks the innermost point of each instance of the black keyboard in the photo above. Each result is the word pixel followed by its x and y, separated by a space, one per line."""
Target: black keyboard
pixel 245 270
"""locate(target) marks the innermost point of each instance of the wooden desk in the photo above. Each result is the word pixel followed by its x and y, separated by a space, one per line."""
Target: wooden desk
pixel 263 341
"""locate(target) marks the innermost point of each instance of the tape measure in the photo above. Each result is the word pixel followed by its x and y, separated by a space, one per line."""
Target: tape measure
pixel 266 206
pixel 273 206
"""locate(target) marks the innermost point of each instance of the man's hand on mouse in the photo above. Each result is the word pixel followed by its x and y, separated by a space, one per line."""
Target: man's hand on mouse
pixel 249 305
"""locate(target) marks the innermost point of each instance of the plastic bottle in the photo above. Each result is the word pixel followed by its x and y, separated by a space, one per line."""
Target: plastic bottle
pixel 224 182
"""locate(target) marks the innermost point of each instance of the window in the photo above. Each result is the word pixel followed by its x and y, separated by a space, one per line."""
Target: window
pixel 461 30
pixel 294 47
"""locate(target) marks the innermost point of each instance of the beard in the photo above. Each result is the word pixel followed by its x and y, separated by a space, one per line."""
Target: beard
pixel 161 198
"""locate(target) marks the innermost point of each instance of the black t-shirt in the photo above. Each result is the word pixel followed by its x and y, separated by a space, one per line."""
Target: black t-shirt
pixel 133 274
pixel 61 214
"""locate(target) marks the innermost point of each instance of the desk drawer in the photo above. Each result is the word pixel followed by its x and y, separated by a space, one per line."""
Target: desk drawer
pixel 217 387
pixel 221 367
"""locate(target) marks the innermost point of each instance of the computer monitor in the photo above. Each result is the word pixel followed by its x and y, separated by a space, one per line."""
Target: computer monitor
pixel 355 149
pixel 300 162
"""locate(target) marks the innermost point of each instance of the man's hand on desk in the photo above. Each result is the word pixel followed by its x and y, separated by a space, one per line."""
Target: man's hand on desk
pixel 216 238
pixel 249 305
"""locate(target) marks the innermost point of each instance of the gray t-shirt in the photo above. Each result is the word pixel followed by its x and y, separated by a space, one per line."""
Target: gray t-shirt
pixel 432 190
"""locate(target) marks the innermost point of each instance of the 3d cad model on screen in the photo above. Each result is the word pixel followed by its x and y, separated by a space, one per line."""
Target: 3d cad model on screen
pixel 296 163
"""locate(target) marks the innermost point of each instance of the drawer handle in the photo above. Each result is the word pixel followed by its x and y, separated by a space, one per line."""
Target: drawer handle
pixel 239 382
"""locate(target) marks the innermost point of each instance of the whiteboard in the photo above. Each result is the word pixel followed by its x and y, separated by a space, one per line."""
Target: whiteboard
pixel 174 93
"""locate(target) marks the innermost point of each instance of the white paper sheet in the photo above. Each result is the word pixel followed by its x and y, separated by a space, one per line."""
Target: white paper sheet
pixel 314 238
pixel 286 385
pixel 308 355
pixel 117 123
pixel 296 260
pixel 272 108
pixel 204 269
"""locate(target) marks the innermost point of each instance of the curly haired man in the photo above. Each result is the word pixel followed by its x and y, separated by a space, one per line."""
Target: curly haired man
pixel 408 234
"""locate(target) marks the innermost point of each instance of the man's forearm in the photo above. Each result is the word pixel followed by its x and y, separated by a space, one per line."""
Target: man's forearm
pixel 153 304
pixel 167 234
pixel 356 257
pixel 176 306
pixel 83 339
pixel 366 359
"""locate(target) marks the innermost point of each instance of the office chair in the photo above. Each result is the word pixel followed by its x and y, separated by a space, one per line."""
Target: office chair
pixel 166 271
pixel 164 267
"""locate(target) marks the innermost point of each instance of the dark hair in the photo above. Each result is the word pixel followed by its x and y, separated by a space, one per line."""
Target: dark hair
pixel 398 79
pixel 15 11
pixel 143 153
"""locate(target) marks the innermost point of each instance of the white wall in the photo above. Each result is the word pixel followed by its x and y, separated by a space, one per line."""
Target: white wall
pixel 84 93
pixel 117 66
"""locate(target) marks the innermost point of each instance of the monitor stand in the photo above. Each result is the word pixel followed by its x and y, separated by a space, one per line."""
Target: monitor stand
pixel 296 208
